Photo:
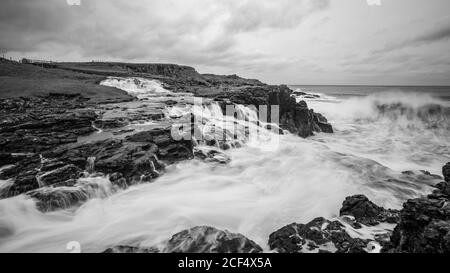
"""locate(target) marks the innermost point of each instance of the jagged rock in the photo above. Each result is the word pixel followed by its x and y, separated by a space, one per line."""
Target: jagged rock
pixel 129 249
pixel 137 159
pixel 40 123
pixel 59 175
pixel 294 117
pixel 212 156
pixel 366 212
pixel 23 173
pixel 201 239
pixel 319 235
pixel 205 239
pixel 55 198
pixel 169 149
pixel 424 223
pixel 70 193
pixel 322 123
pixel 446 172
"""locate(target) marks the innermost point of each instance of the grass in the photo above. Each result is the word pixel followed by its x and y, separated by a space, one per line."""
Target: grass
pixel 17 80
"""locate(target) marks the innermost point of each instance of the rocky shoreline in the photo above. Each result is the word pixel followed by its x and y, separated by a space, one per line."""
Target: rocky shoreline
pixel 422 226
pixel 42 155
pixel 53 144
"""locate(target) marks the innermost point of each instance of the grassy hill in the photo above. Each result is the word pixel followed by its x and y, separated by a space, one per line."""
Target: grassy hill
pixel 18 80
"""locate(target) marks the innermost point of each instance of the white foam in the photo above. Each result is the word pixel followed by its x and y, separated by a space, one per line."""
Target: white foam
pixel 139 87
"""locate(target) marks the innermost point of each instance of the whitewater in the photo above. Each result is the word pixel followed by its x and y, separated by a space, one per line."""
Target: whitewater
pixel 377 139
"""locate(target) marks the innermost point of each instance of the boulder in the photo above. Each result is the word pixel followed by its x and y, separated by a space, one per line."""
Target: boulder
pixel 319 235
pixel 59 175
pixel 446 172
pixel 204 239
pixel 201 239
pixel 366 212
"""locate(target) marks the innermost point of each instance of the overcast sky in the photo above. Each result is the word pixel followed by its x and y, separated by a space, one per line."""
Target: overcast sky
pixel 285 41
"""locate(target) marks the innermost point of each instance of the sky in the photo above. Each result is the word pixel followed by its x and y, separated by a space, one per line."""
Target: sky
pixel 323 42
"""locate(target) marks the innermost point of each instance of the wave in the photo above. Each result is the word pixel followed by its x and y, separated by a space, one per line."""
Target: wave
pixel 400 108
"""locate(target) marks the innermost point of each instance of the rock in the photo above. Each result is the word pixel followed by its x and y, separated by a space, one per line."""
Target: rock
pixel 295 117
pixel 446 172
pixel 140 158
pixel 37 124
pixel 169 149
pixel 129 249
pixel 212 155
pixel 23 173
pixel 137 157
pixel 367 212
pixel 59 175
pixel 122 132
pixel 322 123
pixel 319 235
pixel 424 223
pixel 205 239
pixel 56 198
pixel 6 159
pixel 110 123
pixel 201 239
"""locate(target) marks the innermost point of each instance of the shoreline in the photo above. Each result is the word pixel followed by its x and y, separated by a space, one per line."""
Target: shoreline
pixel 41 140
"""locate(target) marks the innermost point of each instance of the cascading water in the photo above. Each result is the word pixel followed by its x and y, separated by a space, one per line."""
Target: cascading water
pixel 261 189
pixel 90 167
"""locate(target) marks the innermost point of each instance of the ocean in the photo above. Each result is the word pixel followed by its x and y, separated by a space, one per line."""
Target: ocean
pixel 386 139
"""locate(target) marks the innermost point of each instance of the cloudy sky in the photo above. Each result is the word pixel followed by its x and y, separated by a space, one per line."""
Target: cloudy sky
pixel 285 41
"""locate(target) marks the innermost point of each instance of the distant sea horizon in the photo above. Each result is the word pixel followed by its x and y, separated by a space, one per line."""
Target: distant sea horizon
pixel 442 92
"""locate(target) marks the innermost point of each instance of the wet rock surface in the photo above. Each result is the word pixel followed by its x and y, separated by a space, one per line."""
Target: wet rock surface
pixel 425 223
pixel 35 124
pixel 339 235
pixel 295 117
pixel 319 235
pixel 366 212
pixel 201 239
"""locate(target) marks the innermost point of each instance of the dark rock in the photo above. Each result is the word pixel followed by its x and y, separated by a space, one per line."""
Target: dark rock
pixel 122 132
pixel 212 156
pixel 37 124
pixel 210 240
pixel 424 223
pixel 56 198
pixel 323 235
pixel 446 172
pixel 110 123
pixel 294 117
pixel 169 150
pixel 59 175
pixel 130 249
pixel 200 239
pixel 6 159
pixel 367 212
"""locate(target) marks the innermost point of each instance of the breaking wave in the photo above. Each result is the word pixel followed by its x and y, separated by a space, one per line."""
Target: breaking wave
pixel 407 108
